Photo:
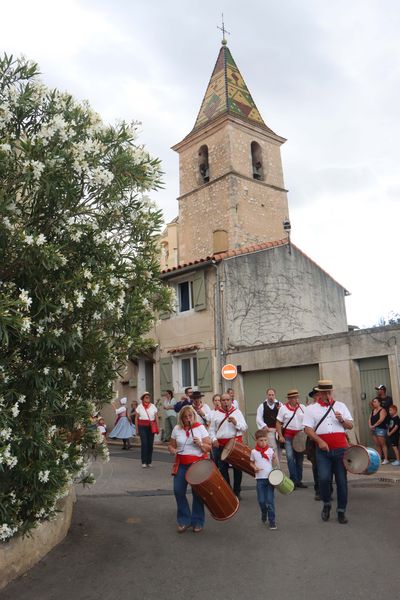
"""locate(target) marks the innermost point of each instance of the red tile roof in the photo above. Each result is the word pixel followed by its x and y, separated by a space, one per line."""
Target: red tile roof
pixel 185 349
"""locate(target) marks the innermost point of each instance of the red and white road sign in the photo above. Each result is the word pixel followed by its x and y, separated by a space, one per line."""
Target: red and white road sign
pixel 229 372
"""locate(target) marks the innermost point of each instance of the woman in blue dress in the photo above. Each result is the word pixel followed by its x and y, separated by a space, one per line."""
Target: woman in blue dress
pixel 123 428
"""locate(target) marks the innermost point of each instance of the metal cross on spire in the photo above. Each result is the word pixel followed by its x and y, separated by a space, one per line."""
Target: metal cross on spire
pixel 224 31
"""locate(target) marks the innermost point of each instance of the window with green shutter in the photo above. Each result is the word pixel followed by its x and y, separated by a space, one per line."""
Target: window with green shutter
pixel 204 371
pixel 199 291
pixel 166 374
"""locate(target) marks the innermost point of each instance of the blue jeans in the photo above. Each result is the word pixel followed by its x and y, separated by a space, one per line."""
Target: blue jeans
pixel 294 461
pixel 330 463
pixel 223 467
pixel 265 497
pixel 185 516
pixel 146 444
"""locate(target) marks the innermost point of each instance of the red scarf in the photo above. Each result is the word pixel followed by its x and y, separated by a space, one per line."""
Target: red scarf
pixel 263 451
pixel 325 404
pixel 227 412
pixel 293 409
pixel 188 428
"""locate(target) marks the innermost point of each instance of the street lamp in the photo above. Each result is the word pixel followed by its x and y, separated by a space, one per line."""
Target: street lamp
pixel 287 229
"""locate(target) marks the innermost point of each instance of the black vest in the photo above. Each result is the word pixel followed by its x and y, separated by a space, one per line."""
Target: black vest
pixel 270 414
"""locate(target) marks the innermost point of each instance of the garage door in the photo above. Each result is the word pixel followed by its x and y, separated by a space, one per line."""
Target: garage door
pixel 373 372
pixel 255 383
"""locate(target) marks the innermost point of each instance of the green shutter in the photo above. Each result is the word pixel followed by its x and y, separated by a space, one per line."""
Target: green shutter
pixel 204 371
pixel 199 291
pixel 166 373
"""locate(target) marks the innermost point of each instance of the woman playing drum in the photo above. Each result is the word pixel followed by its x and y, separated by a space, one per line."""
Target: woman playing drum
pixel 189 443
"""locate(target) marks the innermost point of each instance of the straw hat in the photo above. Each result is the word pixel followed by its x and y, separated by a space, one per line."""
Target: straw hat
pixel 292 394
pixel 324 385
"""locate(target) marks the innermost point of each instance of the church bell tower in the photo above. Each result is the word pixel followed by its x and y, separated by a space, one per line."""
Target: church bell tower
pixel 231 182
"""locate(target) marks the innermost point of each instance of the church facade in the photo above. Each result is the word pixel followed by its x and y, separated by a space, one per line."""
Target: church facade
pixel 243 294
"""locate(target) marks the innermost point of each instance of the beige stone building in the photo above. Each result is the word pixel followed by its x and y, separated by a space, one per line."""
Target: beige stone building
pixel 243 293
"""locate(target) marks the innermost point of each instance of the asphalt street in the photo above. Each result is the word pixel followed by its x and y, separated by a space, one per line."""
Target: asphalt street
pixel 123 544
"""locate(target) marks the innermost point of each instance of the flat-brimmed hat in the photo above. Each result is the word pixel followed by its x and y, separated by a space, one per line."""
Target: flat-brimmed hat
pixel 312 393
pixel 144 394
pixel 292 393
pixel 324 385
pixel 381 387
pixel 197 395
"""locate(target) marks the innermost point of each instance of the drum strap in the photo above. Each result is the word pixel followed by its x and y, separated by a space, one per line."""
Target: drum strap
pixel 223 421
pixel 288 423
pixel 324 417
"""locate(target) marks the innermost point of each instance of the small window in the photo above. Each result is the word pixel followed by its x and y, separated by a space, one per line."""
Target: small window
pixel 204 169
pixel 188 372
pixel 185 295
pixel 256 160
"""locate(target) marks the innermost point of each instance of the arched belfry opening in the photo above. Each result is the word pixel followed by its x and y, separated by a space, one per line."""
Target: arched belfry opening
pixel 204 169
pixel 256 161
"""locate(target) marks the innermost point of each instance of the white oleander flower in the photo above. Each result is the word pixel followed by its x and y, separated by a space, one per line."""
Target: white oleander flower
pixel 6 531
pixel 26 324
pixel 28 239
pixel 40 240
pixel 58 332
pixel 21 398
pixel 79 299
pixel 46 370
pixel 25 298
pixel 5 433
pixel 15 410
pixel 44 476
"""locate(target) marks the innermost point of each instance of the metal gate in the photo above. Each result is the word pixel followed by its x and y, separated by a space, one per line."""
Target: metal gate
pixel 255 383
pixel 373 372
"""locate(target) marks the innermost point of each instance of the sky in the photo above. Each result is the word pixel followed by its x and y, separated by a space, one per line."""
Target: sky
pixel 324 75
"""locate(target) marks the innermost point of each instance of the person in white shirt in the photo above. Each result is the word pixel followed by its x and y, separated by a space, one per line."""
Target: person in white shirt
pixel 203 411
pixel 189 443
pixel 262 458
pixel 227 423
pixel 231 392
pixel 326 422
pixel 267 413
pixel 288 424
pixel 146 420
pixel 168 402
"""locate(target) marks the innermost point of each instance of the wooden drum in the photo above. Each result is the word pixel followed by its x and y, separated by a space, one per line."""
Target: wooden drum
pixel 212 488
pixel 238 454
pixel 299 442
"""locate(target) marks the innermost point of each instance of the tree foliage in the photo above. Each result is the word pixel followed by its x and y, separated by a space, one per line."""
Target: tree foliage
pixel 79 283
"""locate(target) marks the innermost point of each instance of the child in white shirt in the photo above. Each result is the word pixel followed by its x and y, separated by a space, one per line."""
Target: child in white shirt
pixel 262 458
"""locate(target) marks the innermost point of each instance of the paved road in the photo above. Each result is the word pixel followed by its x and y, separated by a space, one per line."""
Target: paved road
pixel 123 544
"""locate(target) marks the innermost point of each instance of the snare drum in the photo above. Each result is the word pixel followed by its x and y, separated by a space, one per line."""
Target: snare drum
pixel 279 480
pixel 299 442
pixel 238 454
pixel 361 460
pixel 212 488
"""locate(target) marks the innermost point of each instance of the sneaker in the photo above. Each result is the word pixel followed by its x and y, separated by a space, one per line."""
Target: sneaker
pixel 149 465
pixel 301 485
pixel 272 525
pixel 326 512
pixel 396 463
pixel 263 517
pixel 385 462
pixel 144 466
pixel 342 519
pixel 317 497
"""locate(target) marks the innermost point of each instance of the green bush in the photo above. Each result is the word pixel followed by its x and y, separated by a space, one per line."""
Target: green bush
pixel 78 284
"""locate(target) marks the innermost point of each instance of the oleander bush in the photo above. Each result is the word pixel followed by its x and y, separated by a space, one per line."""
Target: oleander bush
pixel 79 284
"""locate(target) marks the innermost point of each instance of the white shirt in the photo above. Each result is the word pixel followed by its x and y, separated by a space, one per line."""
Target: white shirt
pixel 207 415
pixel 260 414
pixel 285 414
pixel 227 430
pixel 185 444
pixel 262 463
pixel 143 415
pixel 169 412
pixel 314 413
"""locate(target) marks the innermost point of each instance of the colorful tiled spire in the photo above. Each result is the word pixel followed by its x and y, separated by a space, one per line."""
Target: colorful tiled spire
pixel 227 93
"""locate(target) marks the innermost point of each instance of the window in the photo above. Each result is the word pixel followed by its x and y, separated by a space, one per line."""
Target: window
pixel 188 372
pixel 185 295
pixel 204 168
pixel 256 160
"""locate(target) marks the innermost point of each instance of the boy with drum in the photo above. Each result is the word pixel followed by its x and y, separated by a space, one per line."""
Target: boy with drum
pixel 262 458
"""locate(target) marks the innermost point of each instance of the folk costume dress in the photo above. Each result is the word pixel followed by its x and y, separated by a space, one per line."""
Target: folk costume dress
pixel 290 427
pixel 123 428
pixel 188 453
pixel 223 431
pixel 330 462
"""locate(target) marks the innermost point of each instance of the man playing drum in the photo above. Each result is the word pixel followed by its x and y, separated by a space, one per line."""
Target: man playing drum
pixel 326 423
pixel 227 423
pixel 289 423
pixel 266 419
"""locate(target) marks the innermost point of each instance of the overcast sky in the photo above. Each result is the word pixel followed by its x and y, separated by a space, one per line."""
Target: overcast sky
pixel 323 74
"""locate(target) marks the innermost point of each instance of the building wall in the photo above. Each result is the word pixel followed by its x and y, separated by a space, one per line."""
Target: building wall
pixel 272 296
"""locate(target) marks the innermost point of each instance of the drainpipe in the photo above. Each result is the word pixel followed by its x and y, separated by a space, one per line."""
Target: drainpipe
pixel 218 324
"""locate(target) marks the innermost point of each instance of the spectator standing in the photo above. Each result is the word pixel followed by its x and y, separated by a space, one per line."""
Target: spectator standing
pixel 185 400
pixel 146 425
pixel 377 424
pixel 168 402
pixel 394 433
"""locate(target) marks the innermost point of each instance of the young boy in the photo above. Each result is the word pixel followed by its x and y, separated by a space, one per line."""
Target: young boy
pixel 262 458
pixel 394 433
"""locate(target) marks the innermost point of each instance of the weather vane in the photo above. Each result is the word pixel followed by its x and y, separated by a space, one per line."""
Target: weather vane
pixel 224 31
